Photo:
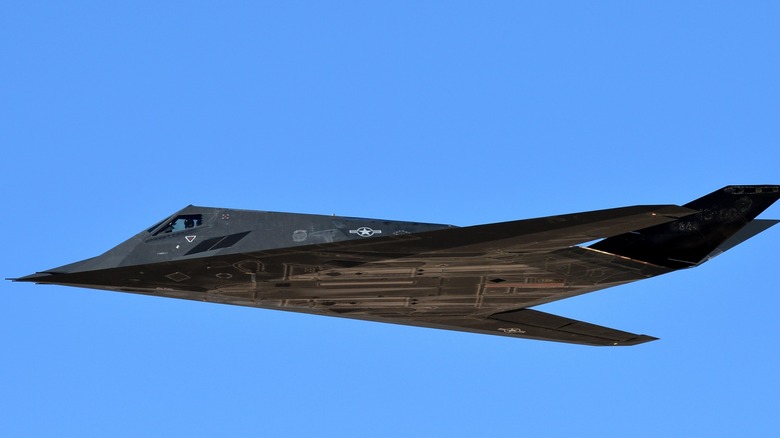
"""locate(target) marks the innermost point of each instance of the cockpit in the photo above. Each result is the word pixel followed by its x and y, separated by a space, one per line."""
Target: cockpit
pixel 177 223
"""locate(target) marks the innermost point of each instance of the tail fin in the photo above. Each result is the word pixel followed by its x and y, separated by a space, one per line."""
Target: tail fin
pixel 694 239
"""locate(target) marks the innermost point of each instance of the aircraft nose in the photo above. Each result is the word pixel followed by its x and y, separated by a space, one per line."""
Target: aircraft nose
pixel 37 277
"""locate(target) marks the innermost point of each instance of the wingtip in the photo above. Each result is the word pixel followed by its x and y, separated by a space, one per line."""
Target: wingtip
pixel 640 339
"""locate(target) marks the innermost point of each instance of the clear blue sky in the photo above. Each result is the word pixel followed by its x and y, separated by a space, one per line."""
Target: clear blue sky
pixel 115 114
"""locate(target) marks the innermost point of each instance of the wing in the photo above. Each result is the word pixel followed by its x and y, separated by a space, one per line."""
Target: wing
pixel 533 324
pixel 531 235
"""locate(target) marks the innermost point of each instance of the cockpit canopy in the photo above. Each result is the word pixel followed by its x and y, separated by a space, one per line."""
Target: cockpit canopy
pixel 177 223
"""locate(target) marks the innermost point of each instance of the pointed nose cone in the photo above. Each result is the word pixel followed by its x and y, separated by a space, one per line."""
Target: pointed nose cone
pixel 37 277
pixel 52 275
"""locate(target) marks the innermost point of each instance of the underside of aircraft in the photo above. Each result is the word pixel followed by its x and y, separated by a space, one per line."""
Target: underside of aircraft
pixel 481 279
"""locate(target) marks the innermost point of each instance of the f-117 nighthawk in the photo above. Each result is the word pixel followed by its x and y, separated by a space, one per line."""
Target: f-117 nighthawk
pixel 482 279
